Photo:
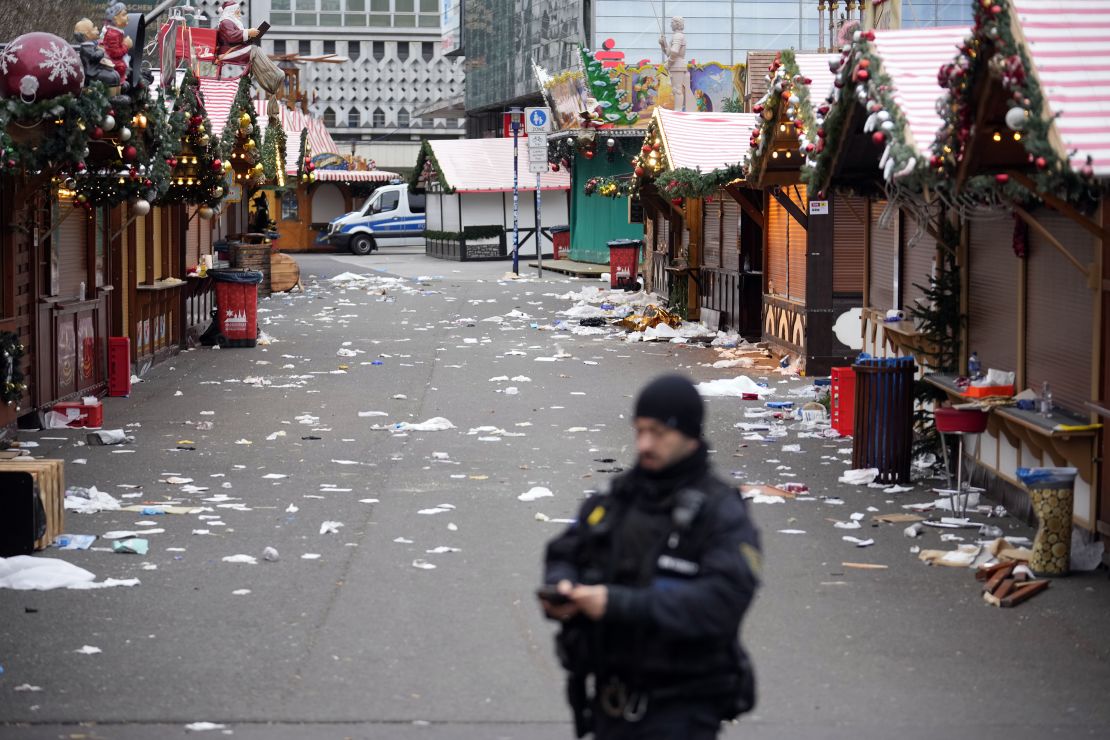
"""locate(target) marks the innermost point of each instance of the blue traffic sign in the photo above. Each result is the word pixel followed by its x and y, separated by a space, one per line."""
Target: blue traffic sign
pixel 537 120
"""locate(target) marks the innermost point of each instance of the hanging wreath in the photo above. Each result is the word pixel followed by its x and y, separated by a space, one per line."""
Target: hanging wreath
pixel 11 377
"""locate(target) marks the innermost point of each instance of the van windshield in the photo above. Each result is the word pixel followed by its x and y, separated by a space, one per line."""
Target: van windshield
pixel 368 206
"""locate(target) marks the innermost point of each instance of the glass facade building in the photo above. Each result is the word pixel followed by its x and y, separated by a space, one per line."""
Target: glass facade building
pixel 502 37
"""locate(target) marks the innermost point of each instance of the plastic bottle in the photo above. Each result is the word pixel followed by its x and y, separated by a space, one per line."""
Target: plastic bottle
pixel 974 368
pixel 1046 399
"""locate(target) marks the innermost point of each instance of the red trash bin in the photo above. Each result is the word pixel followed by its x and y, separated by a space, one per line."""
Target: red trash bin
pixel 237 306
pixel 842 400
pixel 560 241
pixel 624 263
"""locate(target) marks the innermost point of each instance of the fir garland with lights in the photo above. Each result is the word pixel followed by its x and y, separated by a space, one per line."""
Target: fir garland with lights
pixel 273 152
pixel 786 103
pixel 48 134
pixel 12 386
pixel 238 143
pixel 305 168
pixel 198 175
pixel 428 169
pixel 861 80
pixel 993 47
pixel 138 141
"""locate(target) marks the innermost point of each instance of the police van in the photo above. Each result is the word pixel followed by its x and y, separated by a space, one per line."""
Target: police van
pixel 391 216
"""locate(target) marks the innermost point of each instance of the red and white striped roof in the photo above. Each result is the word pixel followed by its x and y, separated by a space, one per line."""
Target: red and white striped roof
pixel 486 165
pixel 323 175
pixel 815 67
pixel 704 141
pixel 911 58
pixel 218 97
pixel 1069 45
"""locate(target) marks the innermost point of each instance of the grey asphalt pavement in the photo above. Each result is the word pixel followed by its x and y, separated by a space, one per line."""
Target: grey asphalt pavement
pixel 362 643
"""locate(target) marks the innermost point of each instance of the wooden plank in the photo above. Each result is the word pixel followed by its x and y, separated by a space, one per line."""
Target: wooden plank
pixel 1024 593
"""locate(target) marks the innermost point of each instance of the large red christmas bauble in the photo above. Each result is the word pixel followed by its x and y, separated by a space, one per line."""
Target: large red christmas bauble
pixel 39 66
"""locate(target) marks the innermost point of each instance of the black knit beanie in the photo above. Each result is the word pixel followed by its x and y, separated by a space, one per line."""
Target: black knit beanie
pixel 673 400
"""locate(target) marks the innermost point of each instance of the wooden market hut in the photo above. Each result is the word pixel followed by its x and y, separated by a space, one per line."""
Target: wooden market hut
pixel 875 159
pixel 813 245
pixel 469 214
pixel 703 235
pixel 1026 159
pixel 594 222
pixel 302 206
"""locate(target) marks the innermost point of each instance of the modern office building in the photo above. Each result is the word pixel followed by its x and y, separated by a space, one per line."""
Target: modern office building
pixel 398 68
pixel 501 38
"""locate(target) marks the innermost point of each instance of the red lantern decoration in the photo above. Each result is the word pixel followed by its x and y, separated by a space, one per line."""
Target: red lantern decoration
pixel 879 138
pixel 1002 178
pixel 588 154
pixel 639 171
pixel 646 149
pixel 1041 163
pixel 217 165
pixel 130 153
pixel 864 63
pixel 863 75
pixel 40 66
pixel 97 132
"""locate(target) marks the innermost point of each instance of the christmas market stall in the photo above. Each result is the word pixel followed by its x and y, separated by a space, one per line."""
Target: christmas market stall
pixel 600 132
pixel 812 246
pixel 469 184
pixel 1024 159
pixel 317 184
pixel 66 162
pixel 696 244
pixel 875 137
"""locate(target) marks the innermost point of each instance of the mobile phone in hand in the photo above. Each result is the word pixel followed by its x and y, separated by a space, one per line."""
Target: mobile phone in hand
pixel 552 596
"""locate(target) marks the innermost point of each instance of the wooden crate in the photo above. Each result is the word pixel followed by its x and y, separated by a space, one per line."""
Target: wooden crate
pixel 50 476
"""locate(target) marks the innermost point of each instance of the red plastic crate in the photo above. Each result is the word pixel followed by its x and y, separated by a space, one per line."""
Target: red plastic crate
pixel 842 397
pixel 89 415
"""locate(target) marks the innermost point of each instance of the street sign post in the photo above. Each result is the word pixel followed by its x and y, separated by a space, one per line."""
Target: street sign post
pixel 537 120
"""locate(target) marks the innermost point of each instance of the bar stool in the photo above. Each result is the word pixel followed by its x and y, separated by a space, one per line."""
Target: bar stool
pixel 960 423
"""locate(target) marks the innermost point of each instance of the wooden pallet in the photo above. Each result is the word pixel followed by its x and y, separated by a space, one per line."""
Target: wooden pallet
pixel 50 477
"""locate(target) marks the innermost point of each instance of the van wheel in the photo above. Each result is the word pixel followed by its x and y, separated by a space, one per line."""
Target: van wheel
pixel 362 244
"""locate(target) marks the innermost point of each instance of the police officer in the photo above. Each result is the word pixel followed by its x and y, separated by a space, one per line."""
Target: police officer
pixel 651 584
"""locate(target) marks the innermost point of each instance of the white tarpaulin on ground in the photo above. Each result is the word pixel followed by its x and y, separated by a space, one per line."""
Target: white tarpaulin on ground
pixel 25 573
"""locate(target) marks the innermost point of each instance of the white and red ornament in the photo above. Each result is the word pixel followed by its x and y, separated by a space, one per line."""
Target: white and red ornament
pixel 40 66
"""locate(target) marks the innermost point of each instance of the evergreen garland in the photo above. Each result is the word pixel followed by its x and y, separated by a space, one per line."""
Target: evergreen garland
pixel 993 48
pixel 239 143
pixel 12 386
pixel 427 167
pixel 198 175
pixel 786 101
pixel 305 167
pixel 137 167
pixel 49 134
pixel 273 152
pixel 861 80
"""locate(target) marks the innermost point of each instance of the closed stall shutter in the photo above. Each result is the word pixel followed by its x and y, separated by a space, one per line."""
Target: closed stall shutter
pixel 919 253
pixel 849 243
pixel 730 234
pixel 1058 310
pixel 798 246
pixel 192 239
pixel 711 232
pixel 992 293
pixel 884 243
pixel 69 244
pixel 777 221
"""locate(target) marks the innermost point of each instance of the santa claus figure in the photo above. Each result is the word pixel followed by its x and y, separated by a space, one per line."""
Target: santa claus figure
pixel 114 39
pixel 232 36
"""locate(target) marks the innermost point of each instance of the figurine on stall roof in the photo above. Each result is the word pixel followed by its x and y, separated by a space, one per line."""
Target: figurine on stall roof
pixel 679 73
pixel 232 37
pixel 114 39
pixel 86 38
